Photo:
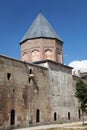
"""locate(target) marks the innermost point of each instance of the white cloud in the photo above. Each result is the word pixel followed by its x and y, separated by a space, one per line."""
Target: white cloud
pixel 79 65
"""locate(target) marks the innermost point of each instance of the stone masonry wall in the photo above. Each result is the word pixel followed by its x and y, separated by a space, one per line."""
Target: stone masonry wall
pixel 23 89
pixel 35 95
pixel 61 93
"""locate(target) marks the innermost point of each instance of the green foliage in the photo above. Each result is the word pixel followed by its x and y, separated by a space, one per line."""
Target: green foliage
pixel 81 94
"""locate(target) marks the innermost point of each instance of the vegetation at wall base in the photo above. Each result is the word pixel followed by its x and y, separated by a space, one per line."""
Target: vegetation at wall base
pixel 81 95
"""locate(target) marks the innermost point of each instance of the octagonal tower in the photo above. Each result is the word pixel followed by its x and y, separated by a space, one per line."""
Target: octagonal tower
pixel 41 42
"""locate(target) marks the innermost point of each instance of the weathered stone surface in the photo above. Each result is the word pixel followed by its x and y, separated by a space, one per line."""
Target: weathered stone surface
pixel 37 93
pixel 27 89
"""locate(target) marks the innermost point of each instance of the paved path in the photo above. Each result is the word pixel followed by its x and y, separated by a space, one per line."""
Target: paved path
pixel 66 125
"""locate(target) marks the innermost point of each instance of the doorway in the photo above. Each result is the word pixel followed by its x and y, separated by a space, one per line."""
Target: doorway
pixel 12 117
pixel 68 115
pixel 38 115
pixel 55 115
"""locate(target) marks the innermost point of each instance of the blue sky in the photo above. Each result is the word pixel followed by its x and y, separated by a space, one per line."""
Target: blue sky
pixel 68 18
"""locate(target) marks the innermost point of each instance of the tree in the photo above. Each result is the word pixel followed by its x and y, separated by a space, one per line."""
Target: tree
pixel 81 95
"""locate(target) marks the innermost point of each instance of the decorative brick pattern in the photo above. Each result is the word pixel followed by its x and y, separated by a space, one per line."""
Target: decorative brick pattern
pixel 42 49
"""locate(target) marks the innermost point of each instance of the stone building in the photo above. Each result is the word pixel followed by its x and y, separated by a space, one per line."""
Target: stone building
pixel 39 88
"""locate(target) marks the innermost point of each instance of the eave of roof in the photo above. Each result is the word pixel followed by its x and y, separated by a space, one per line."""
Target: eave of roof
pixel 54 62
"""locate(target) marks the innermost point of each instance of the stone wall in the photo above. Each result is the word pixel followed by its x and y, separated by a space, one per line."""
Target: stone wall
pixel 35 95
pixel 23 91
pixel 61 93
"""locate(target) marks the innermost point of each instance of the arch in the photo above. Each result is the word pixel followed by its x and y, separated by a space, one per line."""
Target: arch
pixel 38 115
pixel 8 76
pixel 79 113
pixel 29 80
pixel 25 56
pixel 12 117
pixel 35 55
pixel 55 116
pixel 68 115
pixel 30 71
pixel 59 55
pixel 48 54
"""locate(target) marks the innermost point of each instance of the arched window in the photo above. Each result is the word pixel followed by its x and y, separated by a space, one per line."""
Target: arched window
pixel 25 57
pixel 29 80
pixel 12 117
pixel 59 55
pixel 79 114
pixel 49 54
pixel 68 115
pixel 30 71
pixel 8 76
pixel 35 55
pixel 55 116
pixel 38 115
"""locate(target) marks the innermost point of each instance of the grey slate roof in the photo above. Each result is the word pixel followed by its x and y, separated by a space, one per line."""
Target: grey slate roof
pixel 40 28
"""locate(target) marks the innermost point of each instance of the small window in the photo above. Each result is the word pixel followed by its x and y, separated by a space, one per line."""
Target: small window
pixel 23 95
pixel 13 90
pixel 55 116
pixel 38 115
pixel 25 57
pixel 79 114
pixel 12 117
pixel 8 76
pixel 68 115
pixel 48 54
pixel 30 71
pixel 30 74
pixel 29 80
pixel 35 55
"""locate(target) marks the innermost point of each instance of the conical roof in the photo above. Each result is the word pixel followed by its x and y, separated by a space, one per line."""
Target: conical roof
pixel 40 28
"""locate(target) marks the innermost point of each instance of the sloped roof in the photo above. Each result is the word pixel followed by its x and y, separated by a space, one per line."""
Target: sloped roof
pixel 40 28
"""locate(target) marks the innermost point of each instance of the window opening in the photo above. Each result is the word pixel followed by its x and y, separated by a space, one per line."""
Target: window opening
pixel 38 115
pixel 30 71
pixel 12 117
pixel 35 55
pixel 79 114
pixel 8 76
pixel 25 56
pixel 55 116
pixel 48 54
pixel 29 80
pixel 68 115
pixel 13 90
